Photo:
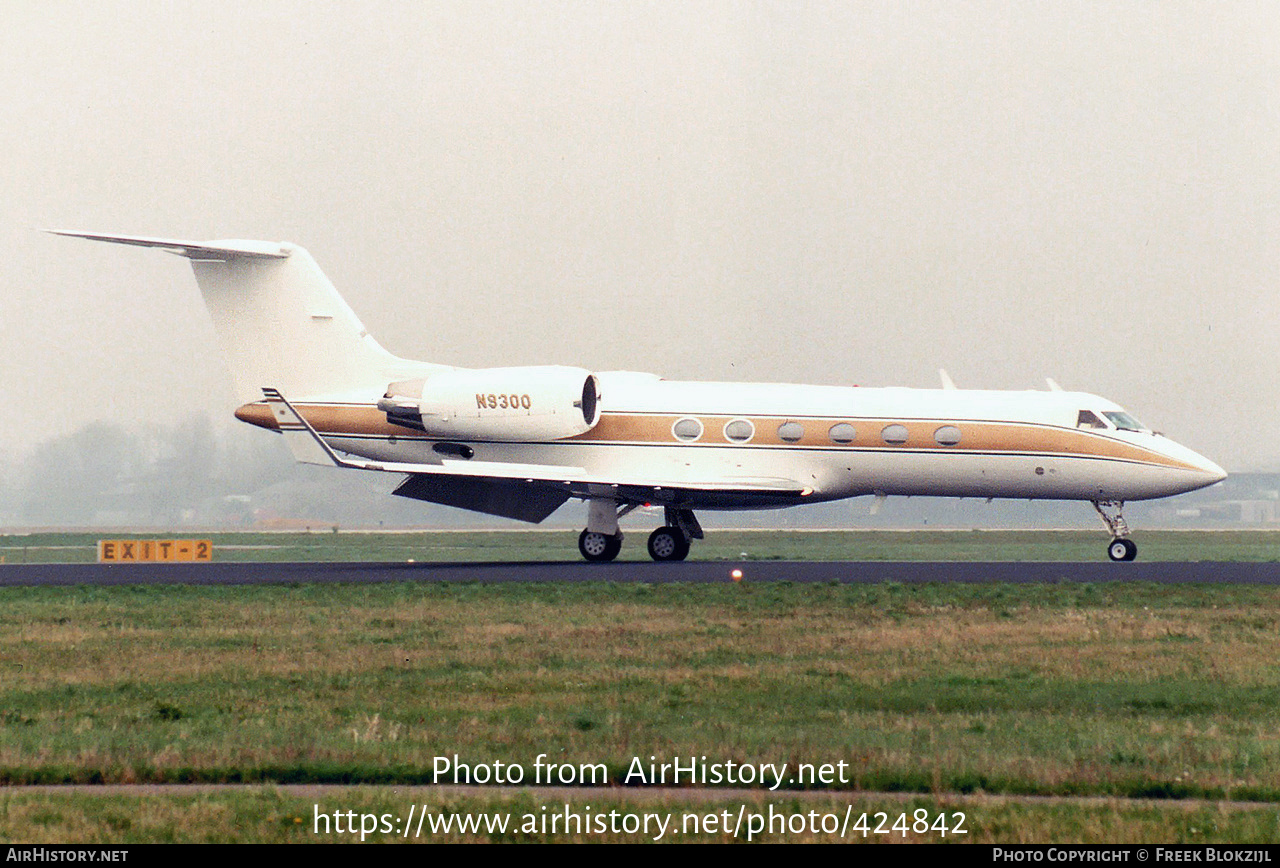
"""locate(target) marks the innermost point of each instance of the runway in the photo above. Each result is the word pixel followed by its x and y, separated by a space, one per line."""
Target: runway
pixel 704 572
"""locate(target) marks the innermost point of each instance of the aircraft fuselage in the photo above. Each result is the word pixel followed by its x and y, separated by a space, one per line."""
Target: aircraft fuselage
pixel 837 441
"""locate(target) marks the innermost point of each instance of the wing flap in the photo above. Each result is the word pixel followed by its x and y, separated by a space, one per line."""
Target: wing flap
pixel 510 499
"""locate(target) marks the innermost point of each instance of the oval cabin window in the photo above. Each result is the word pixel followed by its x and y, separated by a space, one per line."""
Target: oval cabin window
pixel 687 429
pixel 894 435
pixel 739 431
pixel 947 435
pixel 843 433
pixel 791 431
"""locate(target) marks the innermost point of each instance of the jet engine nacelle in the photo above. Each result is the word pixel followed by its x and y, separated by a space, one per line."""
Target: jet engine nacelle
pixel 507 404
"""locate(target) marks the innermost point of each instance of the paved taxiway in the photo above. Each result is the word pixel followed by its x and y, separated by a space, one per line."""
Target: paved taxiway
pixel 1166 572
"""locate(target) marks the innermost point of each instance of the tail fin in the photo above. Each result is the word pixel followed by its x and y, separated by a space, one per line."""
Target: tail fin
pixel 280 321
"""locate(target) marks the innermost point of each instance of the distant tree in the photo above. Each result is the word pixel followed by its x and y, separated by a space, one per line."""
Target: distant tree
pixel 73 478
pixel 8 498
pixel 193 472
pixel 252 460
pixel 184 462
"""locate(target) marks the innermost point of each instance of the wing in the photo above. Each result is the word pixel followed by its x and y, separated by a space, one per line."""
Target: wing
pixel 502 486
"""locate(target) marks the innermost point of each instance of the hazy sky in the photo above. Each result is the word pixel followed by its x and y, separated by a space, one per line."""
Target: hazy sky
pixel 802 192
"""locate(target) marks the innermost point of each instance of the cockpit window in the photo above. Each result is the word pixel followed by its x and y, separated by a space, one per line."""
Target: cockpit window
pixel 1087 419
pixel 1124 421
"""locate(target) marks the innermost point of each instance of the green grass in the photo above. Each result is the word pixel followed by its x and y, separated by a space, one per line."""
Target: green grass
pixel 278 815
pixel 518 546
pixel 1116 690
pixel 1120 691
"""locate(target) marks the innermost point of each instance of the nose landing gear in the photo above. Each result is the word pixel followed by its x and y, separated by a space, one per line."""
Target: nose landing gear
pixel 1121 548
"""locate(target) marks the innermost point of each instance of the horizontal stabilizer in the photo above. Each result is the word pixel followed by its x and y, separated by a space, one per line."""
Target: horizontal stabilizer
pixel 202 250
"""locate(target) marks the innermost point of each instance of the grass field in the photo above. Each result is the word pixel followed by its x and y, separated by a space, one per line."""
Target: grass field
pixel 516 546
pixel 1119 691
pixel 283 815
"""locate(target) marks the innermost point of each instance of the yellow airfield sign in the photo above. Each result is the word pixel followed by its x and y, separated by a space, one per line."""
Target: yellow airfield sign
pixel 152 551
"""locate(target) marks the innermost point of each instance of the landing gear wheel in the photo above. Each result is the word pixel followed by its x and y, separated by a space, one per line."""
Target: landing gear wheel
pixel 599 547
pixel 668 544
pixel 1122 550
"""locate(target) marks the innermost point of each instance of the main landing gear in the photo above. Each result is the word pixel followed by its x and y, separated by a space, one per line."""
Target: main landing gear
pixel 1121 548
pixel 668 544
pixel 671 541
pixel 602 540
pixel 598 546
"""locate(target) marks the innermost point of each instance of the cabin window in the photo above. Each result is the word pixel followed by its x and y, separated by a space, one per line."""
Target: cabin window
pixel 1124 421
pixel 791 431
pixel 739 431
pixel 894 435
pixel 947 435
pixel 843 433
pixel 1086 419
pixel 687 429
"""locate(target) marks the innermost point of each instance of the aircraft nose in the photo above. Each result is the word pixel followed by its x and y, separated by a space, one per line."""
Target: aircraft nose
pixel 1215 473
pixel 1208 472
pixel 1196 470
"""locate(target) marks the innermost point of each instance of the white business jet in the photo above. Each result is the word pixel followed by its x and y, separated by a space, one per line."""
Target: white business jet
pixel 519 442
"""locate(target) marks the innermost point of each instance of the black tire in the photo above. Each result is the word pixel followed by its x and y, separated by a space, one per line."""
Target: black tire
pixel 668 544
pixel 1122 550
pixel 599 548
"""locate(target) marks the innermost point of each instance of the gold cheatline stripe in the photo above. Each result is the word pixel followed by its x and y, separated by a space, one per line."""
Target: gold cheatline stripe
pixel 629 428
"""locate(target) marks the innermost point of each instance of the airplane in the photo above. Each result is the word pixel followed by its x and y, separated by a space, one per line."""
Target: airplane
pixel 519 442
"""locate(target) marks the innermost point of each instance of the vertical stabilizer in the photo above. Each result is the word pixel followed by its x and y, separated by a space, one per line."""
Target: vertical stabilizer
pixel 280 321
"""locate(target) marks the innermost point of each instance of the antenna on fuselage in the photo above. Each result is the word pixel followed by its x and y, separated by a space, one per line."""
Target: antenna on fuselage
pixel 1053 384
pixel 946 380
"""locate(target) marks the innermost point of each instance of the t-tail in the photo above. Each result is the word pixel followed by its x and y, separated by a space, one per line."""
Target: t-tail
pixel 281 322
